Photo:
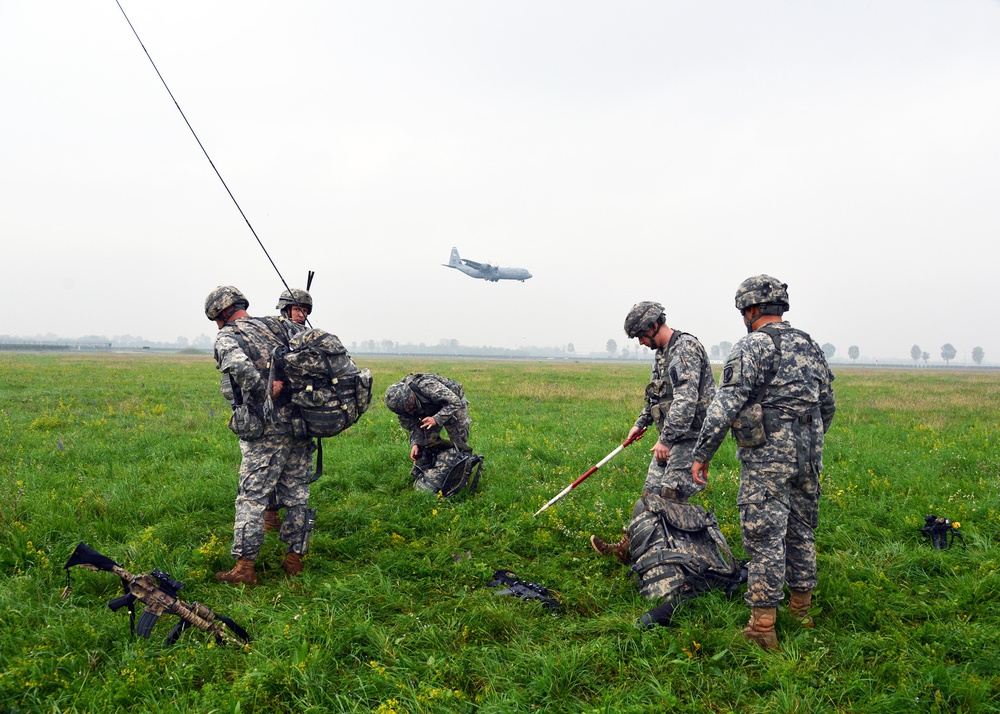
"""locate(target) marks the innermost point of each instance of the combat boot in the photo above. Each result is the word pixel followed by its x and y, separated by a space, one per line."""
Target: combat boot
pixel 620 549
pixel 272 522
pixel 242 573
pixel 760 628
pixel 292 564
pixel 798 607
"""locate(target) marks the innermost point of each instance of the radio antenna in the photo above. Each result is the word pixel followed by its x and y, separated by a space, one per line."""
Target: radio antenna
pixel 203 150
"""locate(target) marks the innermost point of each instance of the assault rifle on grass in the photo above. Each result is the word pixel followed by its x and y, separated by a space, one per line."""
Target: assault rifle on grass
pixel 158 592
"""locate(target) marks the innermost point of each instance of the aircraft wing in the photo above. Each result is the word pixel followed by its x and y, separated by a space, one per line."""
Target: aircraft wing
pixel 477 266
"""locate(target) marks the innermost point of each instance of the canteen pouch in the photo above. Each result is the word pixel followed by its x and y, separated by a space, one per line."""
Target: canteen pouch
pixel 363 390
pixel 659 395
pixel 299 428
pixel 245 423
pixel 748 427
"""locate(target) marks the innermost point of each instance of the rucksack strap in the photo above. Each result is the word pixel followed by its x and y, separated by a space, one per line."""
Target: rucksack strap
pixel 250 351
pixel 775 363
pixel 319 461
pixel 660 556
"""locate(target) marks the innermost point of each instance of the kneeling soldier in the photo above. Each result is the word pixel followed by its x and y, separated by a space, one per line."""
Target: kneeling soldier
pixel 426 404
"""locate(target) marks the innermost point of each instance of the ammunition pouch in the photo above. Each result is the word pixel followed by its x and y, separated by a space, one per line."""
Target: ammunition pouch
pixel 748 427
pixel 299 429
pixel 246 421
pixel 659 396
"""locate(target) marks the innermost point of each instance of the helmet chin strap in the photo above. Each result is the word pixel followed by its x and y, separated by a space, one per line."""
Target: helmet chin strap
pixel 762 310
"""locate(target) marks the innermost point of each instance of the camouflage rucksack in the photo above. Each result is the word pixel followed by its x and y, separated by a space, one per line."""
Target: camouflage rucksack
pixel 679 552
pixel 330 391
pixel 451 384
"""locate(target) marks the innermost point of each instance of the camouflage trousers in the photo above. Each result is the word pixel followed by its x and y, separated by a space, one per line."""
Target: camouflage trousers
pixel 278 465
pixel 457 428
pixel 779 512
pixel 675 474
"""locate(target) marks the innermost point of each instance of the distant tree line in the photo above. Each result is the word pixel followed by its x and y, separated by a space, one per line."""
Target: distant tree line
pixel 717 352
pixel 447 346
pixel 948 353
pixel 201 342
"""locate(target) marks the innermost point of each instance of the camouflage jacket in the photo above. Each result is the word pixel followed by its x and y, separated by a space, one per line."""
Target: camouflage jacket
pixel 434 398
pixel 681 387
pixel 249 368
pixel 802 384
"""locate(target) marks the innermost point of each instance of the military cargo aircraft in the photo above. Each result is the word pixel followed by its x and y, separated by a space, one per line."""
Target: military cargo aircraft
pixel 485 271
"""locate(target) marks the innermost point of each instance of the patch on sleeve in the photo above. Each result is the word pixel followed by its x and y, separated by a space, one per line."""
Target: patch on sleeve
pixel 676 372
pixel 731 373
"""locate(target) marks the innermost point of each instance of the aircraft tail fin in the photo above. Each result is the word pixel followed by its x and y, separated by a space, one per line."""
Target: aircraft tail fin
pixel 454 261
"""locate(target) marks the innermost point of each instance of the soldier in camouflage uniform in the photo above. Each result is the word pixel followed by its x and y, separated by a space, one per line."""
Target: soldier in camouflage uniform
pixel 294 305
pixel 426 404
pixel 273 458
pixel 681 386
pixel 776 393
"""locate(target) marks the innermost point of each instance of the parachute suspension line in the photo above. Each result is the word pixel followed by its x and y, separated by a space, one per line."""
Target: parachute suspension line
pixel 202 147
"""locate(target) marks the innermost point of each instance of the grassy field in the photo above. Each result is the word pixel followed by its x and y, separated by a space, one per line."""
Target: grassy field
pixel 131 455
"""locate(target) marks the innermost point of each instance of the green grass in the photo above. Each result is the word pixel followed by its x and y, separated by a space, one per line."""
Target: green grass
pixel 131 455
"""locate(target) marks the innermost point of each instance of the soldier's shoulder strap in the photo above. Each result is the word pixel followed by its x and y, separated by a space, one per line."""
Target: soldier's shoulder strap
pixel 775 336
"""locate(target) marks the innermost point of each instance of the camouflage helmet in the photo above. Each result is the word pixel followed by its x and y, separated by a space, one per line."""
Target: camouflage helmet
pixel 398 398
pixel 642 316
pixel 222 298
pixel 763 290
pixel 295 296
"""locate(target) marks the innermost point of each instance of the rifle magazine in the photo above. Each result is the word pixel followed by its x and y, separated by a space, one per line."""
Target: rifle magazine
pixel 146 622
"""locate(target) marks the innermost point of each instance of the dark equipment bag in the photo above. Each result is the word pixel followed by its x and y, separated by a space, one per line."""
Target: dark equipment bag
pixel 329 390
pixel 446 469
pixel 941 532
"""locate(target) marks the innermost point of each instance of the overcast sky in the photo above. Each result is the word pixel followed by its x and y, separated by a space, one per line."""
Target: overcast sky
pixel 619 151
